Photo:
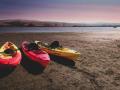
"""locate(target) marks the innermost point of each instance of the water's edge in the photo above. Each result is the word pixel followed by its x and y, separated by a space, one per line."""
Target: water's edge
pixel 54 29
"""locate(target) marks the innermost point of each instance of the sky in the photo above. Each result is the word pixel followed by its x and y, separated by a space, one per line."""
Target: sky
pixel 88 11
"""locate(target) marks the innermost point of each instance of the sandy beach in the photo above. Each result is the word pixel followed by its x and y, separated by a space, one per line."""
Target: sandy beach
pixel 97 68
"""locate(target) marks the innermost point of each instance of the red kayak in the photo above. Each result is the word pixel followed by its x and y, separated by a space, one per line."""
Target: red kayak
pixel 33 52
pixel 10 55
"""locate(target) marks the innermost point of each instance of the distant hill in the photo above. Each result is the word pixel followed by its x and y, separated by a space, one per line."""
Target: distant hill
pixel 30 23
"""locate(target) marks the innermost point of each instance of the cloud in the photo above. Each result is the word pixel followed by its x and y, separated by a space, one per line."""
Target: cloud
pixel 60 9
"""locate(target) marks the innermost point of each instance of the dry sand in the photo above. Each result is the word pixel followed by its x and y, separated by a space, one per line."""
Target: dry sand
pixel 98 67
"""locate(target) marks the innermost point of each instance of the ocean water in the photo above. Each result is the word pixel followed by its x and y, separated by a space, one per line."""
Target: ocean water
pixel 54 29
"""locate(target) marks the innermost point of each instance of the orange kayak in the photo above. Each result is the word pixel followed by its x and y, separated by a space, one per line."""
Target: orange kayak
pixel 60 51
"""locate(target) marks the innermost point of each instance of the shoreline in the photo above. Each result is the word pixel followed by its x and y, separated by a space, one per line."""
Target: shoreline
pixel 56 30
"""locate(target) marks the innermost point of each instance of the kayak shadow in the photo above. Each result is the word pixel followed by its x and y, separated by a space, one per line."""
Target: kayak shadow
pixel 6 71
pixel 62 61
pixel 31 66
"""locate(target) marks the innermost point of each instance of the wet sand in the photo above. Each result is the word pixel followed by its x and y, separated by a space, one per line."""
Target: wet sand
pixel 98 67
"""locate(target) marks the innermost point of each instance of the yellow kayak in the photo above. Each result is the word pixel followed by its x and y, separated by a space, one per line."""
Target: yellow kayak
pixel 60 51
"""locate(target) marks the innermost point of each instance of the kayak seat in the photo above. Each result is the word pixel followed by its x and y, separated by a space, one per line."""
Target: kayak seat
pixel 33 46
pixel 55 44
pixel 9 51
